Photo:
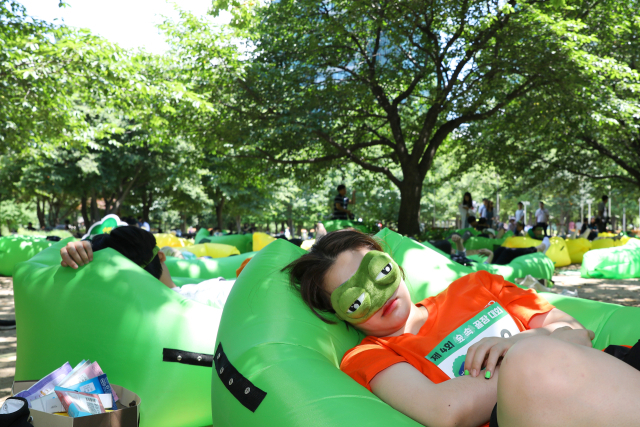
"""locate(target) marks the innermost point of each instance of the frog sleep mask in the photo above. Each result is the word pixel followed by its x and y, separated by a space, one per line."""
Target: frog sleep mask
pixel 366 292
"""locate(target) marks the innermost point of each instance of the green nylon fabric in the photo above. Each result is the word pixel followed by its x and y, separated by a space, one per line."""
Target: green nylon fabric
pixel 339 224
pixel 275 341
pixel 204 268
pixel 621 262
pixel 113 312
pixel 201 234
pixel 17 249
pixel 244 242
pixel 537 265
pixel 475 243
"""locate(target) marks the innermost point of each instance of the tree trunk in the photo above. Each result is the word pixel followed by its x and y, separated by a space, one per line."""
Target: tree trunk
pixel 219 207
pixel 147 201
pixel 409 215
pixel 85 213
pixel 40 212
pixel 238 219
pixel 94 207
pixel 183 225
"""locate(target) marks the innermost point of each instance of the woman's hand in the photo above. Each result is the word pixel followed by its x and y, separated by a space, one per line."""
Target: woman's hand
pixel 76 254
pixel 488 352
pixel 574 336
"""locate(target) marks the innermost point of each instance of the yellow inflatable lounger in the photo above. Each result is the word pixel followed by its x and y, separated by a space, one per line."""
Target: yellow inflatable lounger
pixel 114 312
pixel 260 240
pixel 279 364
pixel 166 239
pixel 558 252
pixel 214 250
pixel 577 248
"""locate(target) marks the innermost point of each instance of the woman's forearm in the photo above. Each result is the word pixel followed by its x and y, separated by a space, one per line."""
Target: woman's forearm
pixel 460 402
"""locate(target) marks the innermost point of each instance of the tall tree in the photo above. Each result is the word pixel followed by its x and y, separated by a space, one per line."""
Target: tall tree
pixel 381 83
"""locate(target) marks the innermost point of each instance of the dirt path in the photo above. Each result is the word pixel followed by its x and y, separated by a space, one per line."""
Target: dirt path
pixel 623 292
pixel 7 338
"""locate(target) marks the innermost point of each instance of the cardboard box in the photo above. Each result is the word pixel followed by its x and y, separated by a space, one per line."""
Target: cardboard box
pixel 126 416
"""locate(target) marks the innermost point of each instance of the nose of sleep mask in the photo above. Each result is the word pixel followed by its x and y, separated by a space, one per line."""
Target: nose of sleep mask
pixel 366 292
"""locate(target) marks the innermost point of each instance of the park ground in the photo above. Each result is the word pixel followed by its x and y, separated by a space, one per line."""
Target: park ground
pixel 623 292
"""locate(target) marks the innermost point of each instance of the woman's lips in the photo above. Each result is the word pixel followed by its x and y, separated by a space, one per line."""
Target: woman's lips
pixel 389 306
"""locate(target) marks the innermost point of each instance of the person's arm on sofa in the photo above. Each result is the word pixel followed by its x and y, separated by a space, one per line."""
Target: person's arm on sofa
pixel 76 254
pixel 460 402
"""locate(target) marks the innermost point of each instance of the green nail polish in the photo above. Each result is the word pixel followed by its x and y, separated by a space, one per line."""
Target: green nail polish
pixel 487 375
pixel 466 372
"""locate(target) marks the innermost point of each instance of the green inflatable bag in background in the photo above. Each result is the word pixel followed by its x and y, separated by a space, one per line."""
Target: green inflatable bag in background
pixel 621 262
pixel 243 242
pixel 201 234
pixel 205 268
pixel 17 249
pixel 340 224
pixel 475 243
pixel 537 265
pixel 114 312
pixel 272 339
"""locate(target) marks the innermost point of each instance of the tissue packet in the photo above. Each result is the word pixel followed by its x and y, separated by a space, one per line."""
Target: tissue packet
pixel 82 365
pixel 97 385
pixel 46 385
pixel 91 371
pixel 79 404
pixel 49 404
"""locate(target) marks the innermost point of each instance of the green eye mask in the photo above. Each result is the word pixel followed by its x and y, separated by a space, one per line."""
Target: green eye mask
pixel 366 292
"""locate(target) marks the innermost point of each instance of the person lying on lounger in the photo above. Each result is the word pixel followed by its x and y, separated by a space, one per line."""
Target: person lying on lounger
pixel 140 247
pixel 499 256
pixel 482 351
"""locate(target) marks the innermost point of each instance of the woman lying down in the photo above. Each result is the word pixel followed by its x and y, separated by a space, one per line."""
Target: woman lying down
pixel 140 247
pixel 482 352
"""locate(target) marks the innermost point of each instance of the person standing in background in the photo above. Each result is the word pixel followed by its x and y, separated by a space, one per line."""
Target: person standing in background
pixel 489 213
pixel 542 218
pixel 466 209
pixel 520 213
pixel 482 209
pixel 341 203
pixel 603 215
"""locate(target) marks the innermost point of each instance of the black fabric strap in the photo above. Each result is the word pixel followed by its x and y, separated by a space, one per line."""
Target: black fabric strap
pixel 187 357
pixel 241 388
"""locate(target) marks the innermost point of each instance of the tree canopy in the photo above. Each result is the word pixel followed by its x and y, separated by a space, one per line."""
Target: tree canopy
pixel 410 103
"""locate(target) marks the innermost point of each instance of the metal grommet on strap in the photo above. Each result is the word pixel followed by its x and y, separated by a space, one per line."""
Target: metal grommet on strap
pixel 187 357
pixel 245 392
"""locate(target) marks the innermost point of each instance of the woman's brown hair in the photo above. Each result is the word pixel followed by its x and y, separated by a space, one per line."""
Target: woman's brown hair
pixel 307 273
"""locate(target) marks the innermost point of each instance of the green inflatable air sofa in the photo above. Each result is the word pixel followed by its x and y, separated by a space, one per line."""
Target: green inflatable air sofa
pixel 537 265
pixel 621 262
pixel 16 249
pixel 113 312
pixel 270 342
pixel 339 224
pixel 476 242
pixel 204 268
pixel 244 242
